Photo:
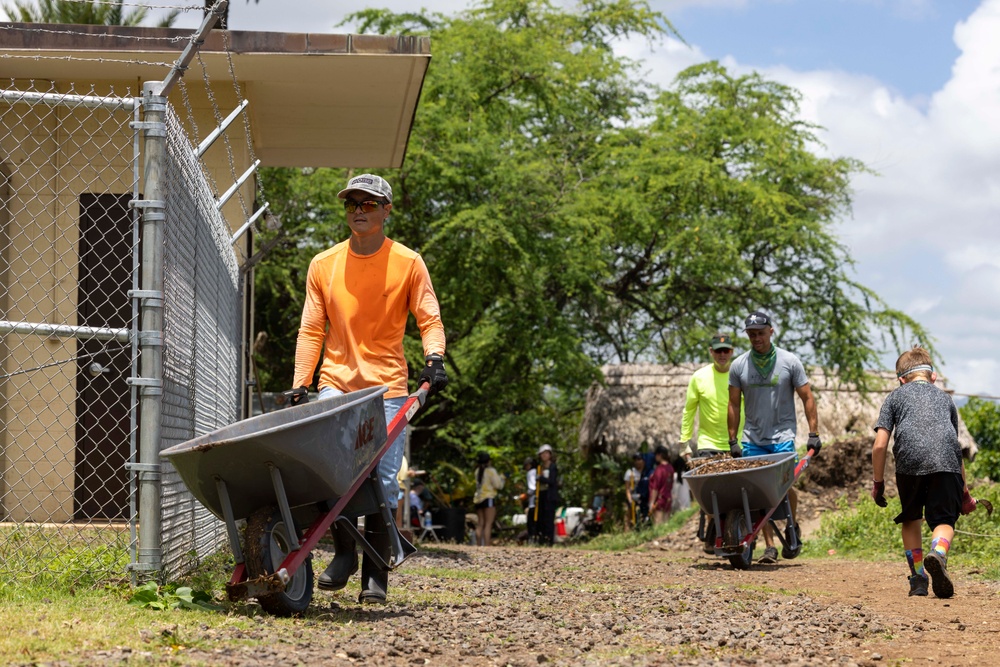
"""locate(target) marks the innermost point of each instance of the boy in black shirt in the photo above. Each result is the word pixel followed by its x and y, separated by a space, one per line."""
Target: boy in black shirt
pixel 930 474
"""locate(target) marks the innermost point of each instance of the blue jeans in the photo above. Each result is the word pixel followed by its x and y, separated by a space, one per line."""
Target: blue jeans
pixel 389 466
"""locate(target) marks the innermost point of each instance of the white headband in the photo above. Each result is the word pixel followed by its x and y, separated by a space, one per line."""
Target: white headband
pixel 914 369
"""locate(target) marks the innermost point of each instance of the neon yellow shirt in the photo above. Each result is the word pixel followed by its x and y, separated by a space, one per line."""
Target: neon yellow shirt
pixel 355 317
pixel 708 394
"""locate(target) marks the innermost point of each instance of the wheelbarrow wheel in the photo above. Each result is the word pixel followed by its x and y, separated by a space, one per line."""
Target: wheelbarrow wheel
pixel 267 544
pixel 735 531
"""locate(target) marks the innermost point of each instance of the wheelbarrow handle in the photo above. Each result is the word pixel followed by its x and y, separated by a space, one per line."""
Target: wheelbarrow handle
pixel 413 403
pixel 804 463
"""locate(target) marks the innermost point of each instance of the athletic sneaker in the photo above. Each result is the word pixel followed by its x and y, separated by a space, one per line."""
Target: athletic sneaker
pixel 770 556
pixel 936 566
pixel 918 585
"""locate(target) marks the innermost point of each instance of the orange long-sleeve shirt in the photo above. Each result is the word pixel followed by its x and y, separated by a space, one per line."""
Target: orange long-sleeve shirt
pixel 366 300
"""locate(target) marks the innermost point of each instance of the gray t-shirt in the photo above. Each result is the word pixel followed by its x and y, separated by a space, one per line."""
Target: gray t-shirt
pixel 924 423
pixel 769 402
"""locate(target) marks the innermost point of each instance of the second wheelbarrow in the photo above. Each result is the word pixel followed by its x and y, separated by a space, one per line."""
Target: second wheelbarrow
pixel 290 475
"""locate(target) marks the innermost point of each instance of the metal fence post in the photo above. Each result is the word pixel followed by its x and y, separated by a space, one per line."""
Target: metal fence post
pixel 150 382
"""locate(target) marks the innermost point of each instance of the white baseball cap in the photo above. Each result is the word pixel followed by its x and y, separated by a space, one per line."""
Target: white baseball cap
pixel 545 448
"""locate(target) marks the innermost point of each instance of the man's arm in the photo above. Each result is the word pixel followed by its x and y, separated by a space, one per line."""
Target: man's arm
pixel 809 407
pixel 425 308
pixel 312 330
pixel 690 407
pixel 733 412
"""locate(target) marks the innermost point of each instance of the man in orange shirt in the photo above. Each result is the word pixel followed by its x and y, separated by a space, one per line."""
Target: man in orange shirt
pixel 359 294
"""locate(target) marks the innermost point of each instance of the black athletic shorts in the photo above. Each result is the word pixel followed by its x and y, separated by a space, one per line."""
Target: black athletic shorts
pixel 489 502
pixel 936 497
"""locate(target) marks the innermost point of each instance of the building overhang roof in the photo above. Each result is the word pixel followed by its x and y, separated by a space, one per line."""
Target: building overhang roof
pixel 316 100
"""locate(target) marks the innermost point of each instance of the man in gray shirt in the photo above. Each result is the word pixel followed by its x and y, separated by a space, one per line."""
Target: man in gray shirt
pixel 767 378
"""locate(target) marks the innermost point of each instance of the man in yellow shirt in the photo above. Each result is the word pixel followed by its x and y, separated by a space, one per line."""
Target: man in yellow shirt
pixel 359 294
pixel 708 395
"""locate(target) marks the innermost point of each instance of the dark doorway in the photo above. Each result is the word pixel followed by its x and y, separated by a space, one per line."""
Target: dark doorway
pixel 102 396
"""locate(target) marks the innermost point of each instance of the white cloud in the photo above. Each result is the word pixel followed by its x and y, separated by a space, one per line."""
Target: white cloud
pixel 974 257
pixel 922 305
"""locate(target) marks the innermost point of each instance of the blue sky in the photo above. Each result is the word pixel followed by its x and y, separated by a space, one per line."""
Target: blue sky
pixel 909 87
pixel 907 45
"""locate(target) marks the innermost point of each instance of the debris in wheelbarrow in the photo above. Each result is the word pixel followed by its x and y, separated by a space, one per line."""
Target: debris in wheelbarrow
pixel 729 465
pixel 291 475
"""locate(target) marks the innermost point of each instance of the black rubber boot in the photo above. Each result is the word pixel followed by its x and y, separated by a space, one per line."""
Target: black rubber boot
pixel 374 576
pixel 344 563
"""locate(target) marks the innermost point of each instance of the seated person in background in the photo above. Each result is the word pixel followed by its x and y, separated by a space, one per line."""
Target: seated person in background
pixel 416 503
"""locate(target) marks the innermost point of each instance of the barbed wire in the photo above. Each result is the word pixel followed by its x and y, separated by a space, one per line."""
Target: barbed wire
pixel 32 27
pixel 247 212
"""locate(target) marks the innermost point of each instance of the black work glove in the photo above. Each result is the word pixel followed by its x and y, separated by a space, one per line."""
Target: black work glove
pixel 814 444
pixel 297 396
pixel 434 373
pixel 878 493
pixel 734 448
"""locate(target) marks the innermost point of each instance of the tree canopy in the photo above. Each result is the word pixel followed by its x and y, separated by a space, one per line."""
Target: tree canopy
pixel 571 216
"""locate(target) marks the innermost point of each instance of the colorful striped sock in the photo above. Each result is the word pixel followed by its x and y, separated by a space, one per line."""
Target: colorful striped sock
pixel 915 559
pixel 941 545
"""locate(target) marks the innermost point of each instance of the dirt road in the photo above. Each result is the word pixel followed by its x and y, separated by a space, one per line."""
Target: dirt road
pixel 665 604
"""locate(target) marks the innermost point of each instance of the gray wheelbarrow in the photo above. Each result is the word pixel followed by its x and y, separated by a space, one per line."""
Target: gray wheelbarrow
pixel 742 501
pixel 290 475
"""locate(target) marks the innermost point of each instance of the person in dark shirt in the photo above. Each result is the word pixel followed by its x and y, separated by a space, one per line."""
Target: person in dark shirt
pixel 637 492
pixel 930 473
pixel 546 496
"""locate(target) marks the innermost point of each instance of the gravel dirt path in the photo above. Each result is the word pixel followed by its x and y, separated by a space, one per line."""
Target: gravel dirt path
pixel 666 603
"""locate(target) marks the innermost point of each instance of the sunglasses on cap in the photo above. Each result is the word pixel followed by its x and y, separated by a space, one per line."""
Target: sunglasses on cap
pixel 366 206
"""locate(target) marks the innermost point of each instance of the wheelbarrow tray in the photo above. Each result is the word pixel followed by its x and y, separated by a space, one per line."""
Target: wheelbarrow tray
pixel 320 448
pixel 765 485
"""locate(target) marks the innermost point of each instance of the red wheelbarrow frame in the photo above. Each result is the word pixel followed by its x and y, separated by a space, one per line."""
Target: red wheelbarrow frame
pixel 754 529
pixel 240 587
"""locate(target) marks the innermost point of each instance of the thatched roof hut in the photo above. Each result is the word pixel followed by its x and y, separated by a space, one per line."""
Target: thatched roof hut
pixel 643 403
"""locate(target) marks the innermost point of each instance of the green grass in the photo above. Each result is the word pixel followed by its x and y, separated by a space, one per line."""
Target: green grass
pixel 60 558
pixel 868 532
pixel 621 541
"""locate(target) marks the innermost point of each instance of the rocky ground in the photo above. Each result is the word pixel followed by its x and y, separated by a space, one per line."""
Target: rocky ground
pixel 664 603
pixel 667 603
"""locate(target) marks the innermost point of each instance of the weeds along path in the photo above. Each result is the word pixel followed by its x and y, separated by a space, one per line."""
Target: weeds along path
pixel 663 604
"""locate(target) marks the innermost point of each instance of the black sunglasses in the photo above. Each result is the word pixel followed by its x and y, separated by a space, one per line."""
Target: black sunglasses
pixel 723 349
pixel 366 206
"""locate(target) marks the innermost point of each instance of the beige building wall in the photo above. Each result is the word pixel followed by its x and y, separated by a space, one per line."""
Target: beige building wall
pixel 52 155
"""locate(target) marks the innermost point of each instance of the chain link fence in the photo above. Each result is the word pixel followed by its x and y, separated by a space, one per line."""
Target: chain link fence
pixel 71 207
pixel 202 340
pixel 67 256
